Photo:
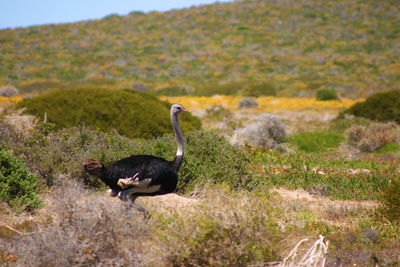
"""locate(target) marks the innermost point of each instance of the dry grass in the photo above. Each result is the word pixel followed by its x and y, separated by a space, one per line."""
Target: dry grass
pixel 86 229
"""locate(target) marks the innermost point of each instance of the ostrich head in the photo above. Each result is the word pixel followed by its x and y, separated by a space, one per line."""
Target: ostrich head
pixel 176 109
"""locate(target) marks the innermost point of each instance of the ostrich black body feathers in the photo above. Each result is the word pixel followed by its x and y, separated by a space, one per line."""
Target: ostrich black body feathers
pixel 142 167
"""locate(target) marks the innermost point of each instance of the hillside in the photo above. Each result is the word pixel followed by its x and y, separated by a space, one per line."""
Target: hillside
pixel 296 47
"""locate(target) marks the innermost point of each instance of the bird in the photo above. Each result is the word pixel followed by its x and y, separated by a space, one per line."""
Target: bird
pixel 141 175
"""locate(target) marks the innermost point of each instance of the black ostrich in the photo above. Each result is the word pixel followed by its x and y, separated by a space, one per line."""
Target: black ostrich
pixel 141 175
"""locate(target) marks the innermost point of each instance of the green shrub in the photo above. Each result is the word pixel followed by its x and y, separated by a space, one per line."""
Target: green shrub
pixel 316 141
pixel 326 94
pixel 131 113
pixel 18 187
pixel 383 106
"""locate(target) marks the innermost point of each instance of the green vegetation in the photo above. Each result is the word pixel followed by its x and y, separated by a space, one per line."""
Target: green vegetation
pixel 349 46
pixel 131 113
pixel 312 142
pixel 326 94
pixel 234 220
pixel 337 178
pixel 383 106
pixel 391 201
pixel 389 148
pixel 236 228
pixel 18 187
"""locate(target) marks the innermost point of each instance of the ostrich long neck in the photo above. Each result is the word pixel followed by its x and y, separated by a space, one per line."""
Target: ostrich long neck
pixel 179 152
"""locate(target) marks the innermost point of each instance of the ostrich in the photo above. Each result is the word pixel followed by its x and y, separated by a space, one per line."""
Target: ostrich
pixel 141 175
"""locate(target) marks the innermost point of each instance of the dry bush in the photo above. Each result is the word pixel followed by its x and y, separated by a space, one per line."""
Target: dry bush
pixel 355 134
pixel 247 102
pixel 267 131
pixel 373 138
pixel 8 91
pixel 87 230
pixel 224 230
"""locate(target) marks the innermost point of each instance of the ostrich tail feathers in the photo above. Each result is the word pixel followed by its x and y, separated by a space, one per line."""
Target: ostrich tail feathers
pixel 93 167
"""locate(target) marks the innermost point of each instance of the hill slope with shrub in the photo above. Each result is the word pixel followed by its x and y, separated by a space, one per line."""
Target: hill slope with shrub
pixel 131 113
pixel 291 47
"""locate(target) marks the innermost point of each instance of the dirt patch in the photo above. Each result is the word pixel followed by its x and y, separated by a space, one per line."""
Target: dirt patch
pixel 322 203
pixel 333 212
pixel 170 202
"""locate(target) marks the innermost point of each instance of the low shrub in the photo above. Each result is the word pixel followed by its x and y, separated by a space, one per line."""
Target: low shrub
pixel 131 113
pixel 222 231
pixel 267 131
pixel 18 187
pixel 315 142
pixel 326 94
pixel 383 106
pixel 247 102
pixel 373 138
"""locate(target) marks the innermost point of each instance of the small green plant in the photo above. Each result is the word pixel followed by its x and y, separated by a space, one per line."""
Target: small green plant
pixel 18 187
pixel 326 94
pixel 315 142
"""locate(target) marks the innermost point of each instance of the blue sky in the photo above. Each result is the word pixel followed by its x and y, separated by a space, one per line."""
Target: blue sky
pixel 23 13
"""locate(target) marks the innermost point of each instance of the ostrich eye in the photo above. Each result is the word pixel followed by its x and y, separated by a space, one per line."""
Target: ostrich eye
pixel 179 108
